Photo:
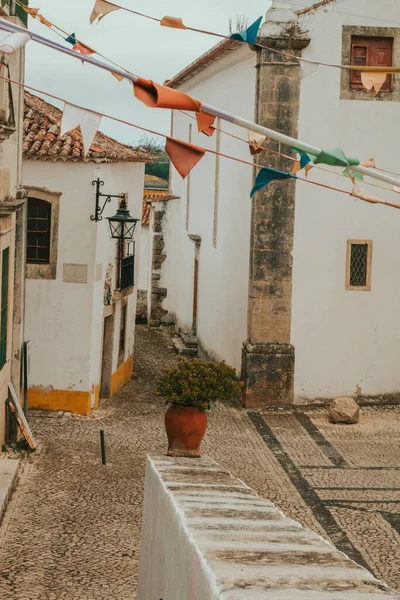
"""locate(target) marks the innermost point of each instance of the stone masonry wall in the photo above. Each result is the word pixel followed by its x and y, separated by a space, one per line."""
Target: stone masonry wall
pixel 158 294
pixel 268 357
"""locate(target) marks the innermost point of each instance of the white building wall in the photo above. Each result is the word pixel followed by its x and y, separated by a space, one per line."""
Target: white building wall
pixel 64 321
pixel 223 270
pixel 345 341
pixel 144 271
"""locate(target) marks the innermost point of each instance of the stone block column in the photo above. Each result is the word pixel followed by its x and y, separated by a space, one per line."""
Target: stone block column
pixel 268 357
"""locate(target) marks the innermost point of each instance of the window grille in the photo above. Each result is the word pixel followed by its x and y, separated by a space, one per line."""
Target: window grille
pixel 4 307
pixel 359 265
pixel 39 231
pixel 127 272
pixel 122 329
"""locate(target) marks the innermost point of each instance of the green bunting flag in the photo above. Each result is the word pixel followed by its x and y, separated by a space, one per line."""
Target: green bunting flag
pixel 249 35
pixel 266 175
pixel 353 175
pixel 335 158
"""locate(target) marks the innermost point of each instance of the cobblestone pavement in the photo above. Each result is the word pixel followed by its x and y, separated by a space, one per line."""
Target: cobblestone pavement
pixel 72 530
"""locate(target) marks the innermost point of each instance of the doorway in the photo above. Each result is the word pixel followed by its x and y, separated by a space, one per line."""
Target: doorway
pixel 106 363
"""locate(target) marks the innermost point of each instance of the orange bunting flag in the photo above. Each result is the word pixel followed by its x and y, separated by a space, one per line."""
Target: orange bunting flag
pixel 44 21
pixel 205 123
pixel 370 163
pixel 183 156
pixel 296 167
pixel 373 82
pixel 101 9
pixel 155 95
pixel 361 195
pixel 173 22
pixel 32 11
pixel 254 149
pixel 308 168
pixel 83 49
pixel 119 77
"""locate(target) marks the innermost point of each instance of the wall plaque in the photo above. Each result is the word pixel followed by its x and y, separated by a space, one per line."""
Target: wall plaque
pixel 73 273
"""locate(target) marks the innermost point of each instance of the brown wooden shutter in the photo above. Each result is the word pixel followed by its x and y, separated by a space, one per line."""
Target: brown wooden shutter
pixel 374 52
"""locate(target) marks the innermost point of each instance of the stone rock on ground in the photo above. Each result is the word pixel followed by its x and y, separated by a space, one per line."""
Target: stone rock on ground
pixel 344 410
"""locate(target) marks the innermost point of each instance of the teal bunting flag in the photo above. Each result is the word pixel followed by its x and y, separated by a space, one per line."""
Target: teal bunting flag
pixel 71 39
pixel 249 35
pixel 266 175
pixel 304 160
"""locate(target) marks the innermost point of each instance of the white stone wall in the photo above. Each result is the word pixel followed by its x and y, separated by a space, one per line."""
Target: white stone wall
pixel 345 340
pixel 64 321
pixel 223 270
pixel 206 535
pixel 10 180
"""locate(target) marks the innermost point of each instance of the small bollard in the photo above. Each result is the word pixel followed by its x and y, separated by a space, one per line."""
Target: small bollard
pixel 103 447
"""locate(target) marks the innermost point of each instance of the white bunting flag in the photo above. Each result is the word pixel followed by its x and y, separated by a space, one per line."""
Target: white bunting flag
pixel 88 121
pixel 256 138
pixel 101 9
pixel 14 42
pixel 369 163
pixel 359 193
pixel 307 68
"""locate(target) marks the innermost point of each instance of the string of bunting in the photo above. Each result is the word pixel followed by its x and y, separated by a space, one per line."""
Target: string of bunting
pixel 156 95
pixel 184 156
pixel 255 141
pixel 205 122
pixel 372 78
pixel 77 44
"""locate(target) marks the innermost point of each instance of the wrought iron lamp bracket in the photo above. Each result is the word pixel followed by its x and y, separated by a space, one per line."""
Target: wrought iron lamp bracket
pixel 108 197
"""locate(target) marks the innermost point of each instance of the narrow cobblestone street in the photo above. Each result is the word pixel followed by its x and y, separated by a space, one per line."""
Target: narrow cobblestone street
pixel 72 529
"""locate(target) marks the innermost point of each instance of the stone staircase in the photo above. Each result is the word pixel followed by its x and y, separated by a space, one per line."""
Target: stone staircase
pixel 186 344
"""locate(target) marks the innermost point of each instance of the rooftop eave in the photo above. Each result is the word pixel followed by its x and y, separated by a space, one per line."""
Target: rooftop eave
pixel 216 52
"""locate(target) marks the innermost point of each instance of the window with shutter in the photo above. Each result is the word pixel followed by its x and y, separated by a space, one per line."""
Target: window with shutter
pixel 372 52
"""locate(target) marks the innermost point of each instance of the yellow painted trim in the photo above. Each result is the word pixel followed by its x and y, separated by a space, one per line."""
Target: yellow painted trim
pixel 121 376
pixel 97 396
pixel 66 400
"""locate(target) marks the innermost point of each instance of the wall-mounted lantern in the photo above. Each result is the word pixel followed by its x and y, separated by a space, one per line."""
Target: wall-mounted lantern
pixel 122 224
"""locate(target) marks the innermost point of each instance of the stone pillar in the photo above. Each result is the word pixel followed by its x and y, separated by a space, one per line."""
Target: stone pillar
pixel 268 357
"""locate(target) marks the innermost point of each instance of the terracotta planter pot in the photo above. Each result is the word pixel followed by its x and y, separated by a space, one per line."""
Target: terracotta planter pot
pixel 185 427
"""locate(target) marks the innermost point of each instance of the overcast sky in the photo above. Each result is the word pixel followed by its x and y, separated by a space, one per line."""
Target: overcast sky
pixel 138 44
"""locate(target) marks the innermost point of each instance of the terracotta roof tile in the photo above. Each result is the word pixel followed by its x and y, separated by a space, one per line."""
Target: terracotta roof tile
pixel 42 140
pixel 157 195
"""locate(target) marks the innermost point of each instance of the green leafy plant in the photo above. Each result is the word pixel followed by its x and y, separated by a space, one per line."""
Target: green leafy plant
pixel 197 383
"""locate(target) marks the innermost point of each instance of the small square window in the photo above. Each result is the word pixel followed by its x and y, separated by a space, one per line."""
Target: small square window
pixel 358 265
pixel 370 52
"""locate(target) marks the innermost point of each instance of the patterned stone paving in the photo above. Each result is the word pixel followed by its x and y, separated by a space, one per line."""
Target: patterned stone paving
pixel 72 530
